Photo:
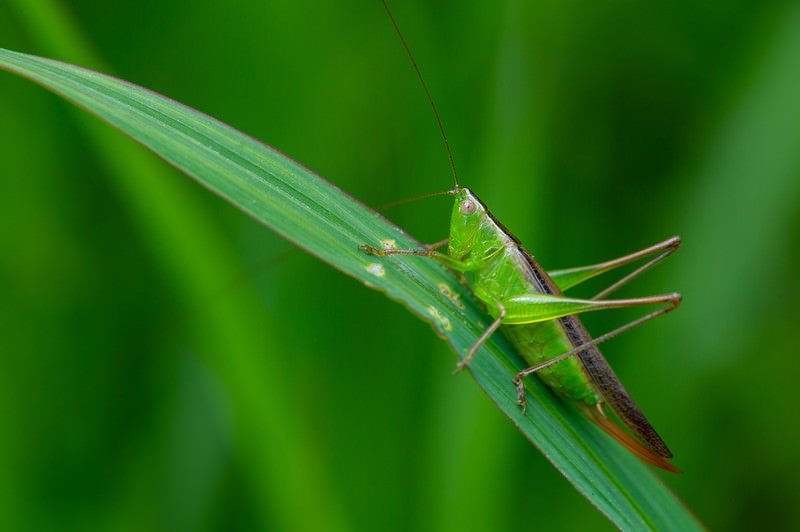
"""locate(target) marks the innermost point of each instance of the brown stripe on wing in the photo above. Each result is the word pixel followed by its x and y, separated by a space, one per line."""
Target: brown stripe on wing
pixel 645 442
pixel 608 385
pixel 611 390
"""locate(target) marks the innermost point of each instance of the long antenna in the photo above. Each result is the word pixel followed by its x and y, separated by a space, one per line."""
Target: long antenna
pixel 427 92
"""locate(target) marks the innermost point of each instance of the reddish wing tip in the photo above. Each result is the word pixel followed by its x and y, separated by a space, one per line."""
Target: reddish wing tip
pixel 629 442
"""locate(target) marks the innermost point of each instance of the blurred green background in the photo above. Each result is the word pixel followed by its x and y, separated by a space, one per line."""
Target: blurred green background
pixel 166 363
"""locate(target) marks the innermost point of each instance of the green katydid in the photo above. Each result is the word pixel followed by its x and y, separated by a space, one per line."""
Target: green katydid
pixel 528 304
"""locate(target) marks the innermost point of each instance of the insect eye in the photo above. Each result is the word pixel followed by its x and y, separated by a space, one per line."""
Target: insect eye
pixel 467 207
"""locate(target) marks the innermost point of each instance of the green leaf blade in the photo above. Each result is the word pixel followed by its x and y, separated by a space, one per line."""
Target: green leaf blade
pixel 320 218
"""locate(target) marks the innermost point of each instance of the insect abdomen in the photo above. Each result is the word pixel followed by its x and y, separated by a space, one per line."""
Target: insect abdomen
pixel 539 342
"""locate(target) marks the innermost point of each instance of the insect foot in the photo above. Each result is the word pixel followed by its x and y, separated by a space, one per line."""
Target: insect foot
pixel 369 250
pixel 518 382
pixel 461 366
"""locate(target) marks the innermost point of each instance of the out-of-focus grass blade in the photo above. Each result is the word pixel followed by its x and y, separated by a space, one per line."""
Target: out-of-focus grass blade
pixel 331 225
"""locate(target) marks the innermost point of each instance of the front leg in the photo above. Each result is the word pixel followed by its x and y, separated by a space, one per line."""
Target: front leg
pixel 428 251
pixel 457 265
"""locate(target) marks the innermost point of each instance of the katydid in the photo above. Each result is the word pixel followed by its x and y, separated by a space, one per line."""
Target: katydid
pixel 528 305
